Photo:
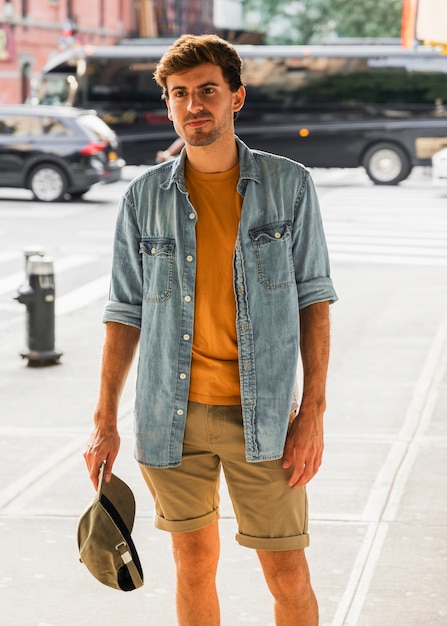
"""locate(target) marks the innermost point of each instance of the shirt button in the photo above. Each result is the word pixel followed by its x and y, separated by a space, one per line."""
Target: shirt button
pixel 180 411
pixel 244 326
pixel 277 235
pixel 186 337
pixel 246 366
pixel 188 298
pixel 182 376
pixel 189 258
pixel 153 250
pixel 191 216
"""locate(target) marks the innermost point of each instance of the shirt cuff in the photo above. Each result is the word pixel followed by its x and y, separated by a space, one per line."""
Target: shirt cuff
pixel 129 314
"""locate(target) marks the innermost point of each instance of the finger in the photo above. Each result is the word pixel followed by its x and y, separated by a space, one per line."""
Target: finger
pixel 93 465
pixel 109 465
pixel 289 454
pixel 297 474
pixel 305 475
pixel 95 469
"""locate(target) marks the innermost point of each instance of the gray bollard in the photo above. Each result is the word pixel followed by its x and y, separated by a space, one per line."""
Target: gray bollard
pixel 38 295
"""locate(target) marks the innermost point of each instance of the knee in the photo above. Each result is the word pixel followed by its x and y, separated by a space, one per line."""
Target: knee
pixel 287 576
pixel 288 587
pixel 195 560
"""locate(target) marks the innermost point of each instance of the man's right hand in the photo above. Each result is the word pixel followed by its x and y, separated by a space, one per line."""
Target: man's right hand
pixel 120 344
pixel 103 445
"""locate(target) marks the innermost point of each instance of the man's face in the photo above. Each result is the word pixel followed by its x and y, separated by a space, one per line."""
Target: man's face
pixel 201 104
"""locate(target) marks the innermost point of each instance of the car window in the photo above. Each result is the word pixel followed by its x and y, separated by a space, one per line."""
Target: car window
pixel 55 127
pixel 20 126
pixel 96 126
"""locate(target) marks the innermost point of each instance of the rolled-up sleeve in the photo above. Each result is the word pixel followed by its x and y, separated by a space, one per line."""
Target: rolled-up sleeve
pixel 126 285
pixel 310 253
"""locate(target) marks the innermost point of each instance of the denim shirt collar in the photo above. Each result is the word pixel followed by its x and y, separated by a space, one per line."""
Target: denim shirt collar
pixel 248 167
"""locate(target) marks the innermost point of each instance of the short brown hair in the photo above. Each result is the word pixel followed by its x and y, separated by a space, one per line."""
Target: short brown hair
pixel 192 50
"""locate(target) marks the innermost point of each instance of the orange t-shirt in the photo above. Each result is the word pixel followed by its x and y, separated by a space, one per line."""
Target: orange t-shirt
pixel 214 369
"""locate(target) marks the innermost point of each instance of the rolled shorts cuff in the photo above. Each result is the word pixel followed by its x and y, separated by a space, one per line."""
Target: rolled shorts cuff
pixel 186 526
pixel 297 542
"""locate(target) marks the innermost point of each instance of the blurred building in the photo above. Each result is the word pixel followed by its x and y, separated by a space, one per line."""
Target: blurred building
pixel 32 30
pixel 171 18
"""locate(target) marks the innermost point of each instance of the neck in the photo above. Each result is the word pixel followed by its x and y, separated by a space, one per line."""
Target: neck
pixel 213 158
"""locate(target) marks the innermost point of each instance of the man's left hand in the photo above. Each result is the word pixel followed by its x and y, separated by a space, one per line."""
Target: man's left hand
pixel 303 451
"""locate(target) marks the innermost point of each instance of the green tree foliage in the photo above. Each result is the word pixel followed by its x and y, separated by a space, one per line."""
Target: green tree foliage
pixel 311 21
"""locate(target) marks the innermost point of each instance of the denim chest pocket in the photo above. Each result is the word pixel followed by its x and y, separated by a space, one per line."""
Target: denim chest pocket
pixel 272 246
pixel 157 256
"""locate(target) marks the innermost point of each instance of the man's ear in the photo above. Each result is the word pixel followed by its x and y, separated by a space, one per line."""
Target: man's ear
pixel 169 109
pixel 239 99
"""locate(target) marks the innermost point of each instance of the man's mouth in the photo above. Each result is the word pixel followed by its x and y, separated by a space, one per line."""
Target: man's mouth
pixel 196 122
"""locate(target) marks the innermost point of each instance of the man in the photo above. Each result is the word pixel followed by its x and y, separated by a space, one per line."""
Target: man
pixel 220 274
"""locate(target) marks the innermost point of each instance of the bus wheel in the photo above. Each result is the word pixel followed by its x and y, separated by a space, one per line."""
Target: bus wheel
pixel 386 164
pixel 48 182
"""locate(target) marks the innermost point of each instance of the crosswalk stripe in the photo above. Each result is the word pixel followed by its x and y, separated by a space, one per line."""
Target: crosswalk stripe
pixel 74 300
pixel 358 243
pixel 13 281
pixel 8 255
pixel 388 240
pixel 82 296
pixel 348 230
pixel 400 248
pixel 385 258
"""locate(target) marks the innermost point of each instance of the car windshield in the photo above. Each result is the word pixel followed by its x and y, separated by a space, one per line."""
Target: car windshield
pixel 95 125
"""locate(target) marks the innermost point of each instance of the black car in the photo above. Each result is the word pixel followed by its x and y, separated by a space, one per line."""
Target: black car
pixel 56 151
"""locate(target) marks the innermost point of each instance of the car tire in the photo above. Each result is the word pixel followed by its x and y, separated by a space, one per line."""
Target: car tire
pixel 386 163
pixel 48 182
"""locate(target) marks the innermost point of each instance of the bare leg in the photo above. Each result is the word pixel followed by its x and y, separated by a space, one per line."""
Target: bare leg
pixel 196 555
pixel 287 576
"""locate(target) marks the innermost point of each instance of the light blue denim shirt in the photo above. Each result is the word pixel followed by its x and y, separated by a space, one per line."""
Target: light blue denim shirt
pixel 280 265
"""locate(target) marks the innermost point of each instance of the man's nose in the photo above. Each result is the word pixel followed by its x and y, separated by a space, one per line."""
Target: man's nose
pixel 195 104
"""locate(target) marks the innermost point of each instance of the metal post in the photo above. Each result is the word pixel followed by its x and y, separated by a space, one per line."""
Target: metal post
pixel 38 295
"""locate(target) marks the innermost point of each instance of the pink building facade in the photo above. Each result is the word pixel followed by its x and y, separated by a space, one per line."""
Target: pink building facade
pixel 31 30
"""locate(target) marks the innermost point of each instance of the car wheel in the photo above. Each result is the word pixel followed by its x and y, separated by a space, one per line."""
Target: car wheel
pixel 48 183
pixel 386 164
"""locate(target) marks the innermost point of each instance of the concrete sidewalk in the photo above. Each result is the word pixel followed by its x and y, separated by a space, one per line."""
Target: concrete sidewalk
pixel 378 507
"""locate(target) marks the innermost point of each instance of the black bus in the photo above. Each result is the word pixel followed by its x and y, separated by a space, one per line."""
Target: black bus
pixel 346 105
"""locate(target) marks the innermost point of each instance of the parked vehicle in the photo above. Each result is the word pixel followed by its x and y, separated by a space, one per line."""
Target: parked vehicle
pixel 55 151
pixel 375 105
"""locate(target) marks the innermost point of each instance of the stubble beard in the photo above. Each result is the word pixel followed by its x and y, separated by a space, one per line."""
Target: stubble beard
pixel 200 138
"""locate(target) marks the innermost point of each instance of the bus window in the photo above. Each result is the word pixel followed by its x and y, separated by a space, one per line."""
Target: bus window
pixel 121 80
pixel 350 84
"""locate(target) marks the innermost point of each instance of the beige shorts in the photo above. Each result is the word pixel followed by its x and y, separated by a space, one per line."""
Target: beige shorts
pixel 270 514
